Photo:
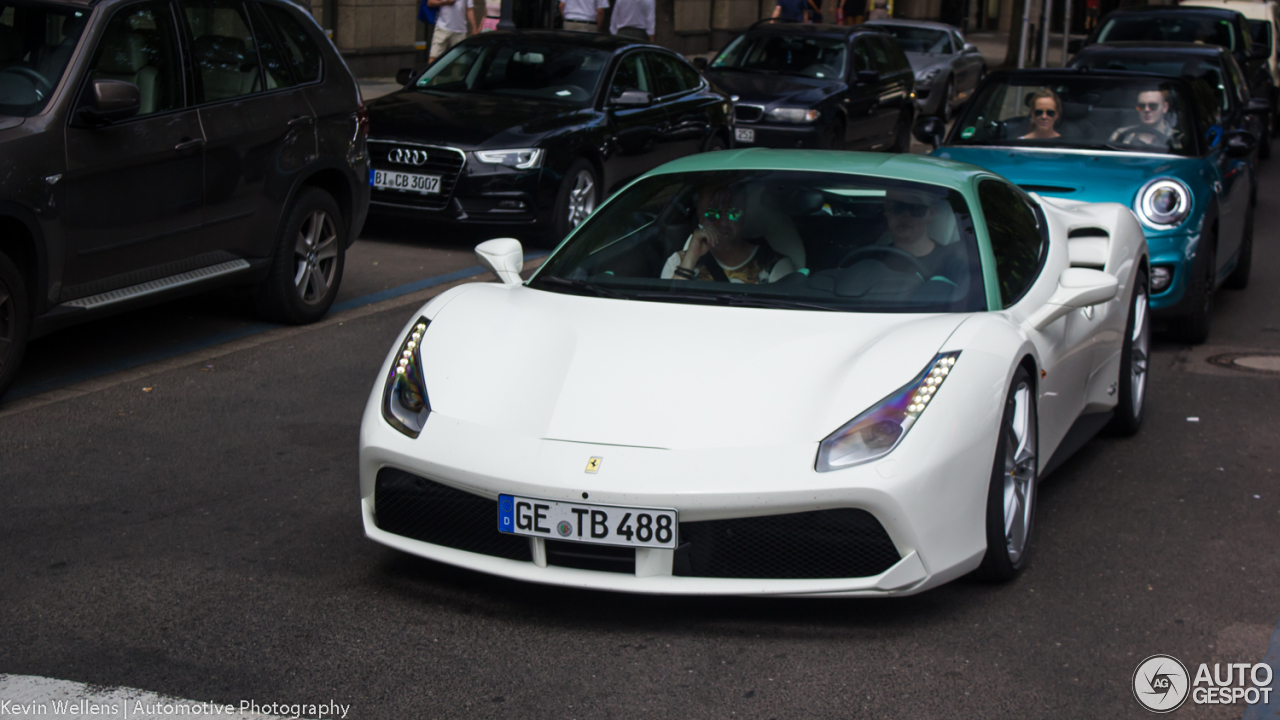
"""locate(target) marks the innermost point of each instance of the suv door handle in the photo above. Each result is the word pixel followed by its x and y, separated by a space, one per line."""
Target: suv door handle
pixel 186 145
pixel 301 120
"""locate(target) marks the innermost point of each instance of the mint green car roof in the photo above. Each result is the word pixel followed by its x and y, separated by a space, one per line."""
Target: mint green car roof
pixel 961 177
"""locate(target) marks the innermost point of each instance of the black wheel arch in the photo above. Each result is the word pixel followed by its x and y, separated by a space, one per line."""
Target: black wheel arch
pixel 22 241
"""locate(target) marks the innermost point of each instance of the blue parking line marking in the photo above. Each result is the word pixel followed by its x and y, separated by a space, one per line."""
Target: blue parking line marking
pixel 1270 711
pixel 20 391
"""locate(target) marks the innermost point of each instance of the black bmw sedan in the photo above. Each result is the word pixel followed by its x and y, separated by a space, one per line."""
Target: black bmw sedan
pixel 535 128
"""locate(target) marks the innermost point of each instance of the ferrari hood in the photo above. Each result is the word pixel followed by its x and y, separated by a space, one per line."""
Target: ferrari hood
pixel 661 375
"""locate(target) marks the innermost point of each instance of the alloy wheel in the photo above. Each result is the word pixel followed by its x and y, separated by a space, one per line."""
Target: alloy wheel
pixel 316 257
pixel 1139 351
pixel 582 198
pixel 1020 470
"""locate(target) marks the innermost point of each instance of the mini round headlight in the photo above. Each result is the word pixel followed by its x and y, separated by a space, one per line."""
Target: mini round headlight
pixel 1163 203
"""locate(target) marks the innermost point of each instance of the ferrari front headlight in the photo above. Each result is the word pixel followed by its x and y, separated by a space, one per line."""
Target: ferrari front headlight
pixel 404 400
pixel 1163 203
pixel 876 432
pixel 521 159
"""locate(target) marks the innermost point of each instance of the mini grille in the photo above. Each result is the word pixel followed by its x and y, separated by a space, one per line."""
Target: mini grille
pixel 840 543
pixel 747 113
pixel 445 162
pixel 425 510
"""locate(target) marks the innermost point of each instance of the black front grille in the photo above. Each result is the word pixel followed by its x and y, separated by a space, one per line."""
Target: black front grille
pixel 601 558
pixel 445 162
pixel 425 510
pixel 840 543
pixel 747 113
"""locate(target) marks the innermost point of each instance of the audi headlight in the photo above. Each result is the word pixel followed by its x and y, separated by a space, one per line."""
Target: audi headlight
pixel 404 401
pixel 876 432
pixel 927 76
pixel 1163 203
pixel 523 158
pixel 795 115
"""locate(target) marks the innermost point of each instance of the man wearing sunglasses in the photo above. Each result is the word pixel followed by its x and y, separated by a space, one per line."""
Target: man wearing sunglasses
pixel 718 248
pixel 1155 130
pixel 910 215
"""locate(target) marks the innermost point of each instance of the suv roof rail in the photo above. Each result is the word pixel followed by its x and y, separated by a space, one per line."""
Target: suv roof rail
pixel 769 21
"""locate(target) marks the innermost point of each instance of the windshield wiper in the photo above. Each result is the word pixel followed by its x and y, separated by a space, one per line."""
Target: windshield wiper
pixel 734 300
pixel 584 287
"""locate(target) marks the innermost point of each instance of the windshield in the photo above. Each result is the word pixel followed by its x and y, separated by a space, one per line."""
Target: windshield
pixel 776 53
pixel 919 40
pixel 780 239
pixel 1099 113
pixel 36 42
pixel 543 71
pixel 1169 27
pixel 1206 69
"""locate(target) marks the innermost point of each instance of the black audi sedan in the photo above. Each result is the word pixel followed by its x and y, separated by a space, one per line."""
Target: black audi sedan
pixel 817 86
pixel 535 128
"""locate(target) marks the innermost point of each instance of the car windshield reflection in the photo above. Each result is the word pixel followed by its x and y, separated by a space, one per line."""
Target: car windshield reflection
pixel 789 240
pixel 36 43
pixel 541 71
pixel 1177 27
pixel 926 41
pixel 777 53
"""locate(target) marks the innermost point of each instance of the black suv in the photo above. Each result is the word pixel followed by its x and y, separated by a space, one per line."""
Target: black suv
pixel 160 147
pixel 823 86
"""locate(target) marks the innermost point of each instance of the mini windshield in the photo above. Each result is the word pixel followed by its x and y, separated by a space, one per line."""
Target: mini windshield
pixel 542 71
pixel 1170 27
pixel 777 239
pixel 1091 112
pixel 919 40
pixel 36 42
pixel 788 54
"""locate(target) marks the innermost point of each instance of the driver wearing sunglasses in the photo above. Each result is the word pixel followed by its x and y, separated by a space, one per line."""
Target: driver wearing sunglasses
pixel 1155 129
pixel 718 249
pixel 910 215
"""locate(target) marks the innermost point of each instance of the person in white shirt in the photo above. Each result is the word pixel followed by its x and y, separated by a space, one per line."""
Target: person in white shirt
pixel 453 25
pixel 584 15
pixel 718 249
pixel 633 19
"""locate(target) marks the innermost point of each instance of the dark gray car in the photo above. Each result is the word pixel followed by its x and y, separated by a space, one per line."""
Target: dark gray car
pixel 947 68
pixel 160 147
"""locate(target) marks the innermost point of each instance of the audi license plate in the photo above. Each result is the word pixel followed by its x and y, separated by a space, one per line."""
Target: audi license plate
pixel 744 135
pixel 581 522
pixel 404 182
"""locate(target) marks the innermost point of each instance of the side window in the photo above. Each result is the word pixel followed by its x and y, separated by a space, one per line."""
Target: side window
pixel 1016 240
pixel 1242 85
pixel 630 75
pixel 274 65
pixel 224 49
pixel 690 76
pixel 879 56
pixel 139 45
pixel 298 44
pixel 862 56
pixel 666 74
pixel 897 58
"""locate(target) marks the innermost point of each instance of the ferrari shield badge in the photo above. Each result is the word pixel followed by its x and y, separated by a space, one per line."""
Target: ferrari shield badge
pixel 593 465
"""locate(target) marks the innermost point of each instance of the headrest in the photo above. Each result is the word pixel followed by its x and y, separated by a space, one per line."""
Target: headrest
pixel 942 228
pixel 10 44
pixel 802 201
pixel 220 50
pixel 123 54
pixel 1074 111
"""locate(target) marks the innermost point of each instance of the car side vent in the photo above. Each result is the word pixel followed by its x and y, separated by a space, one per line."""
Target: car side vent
pixel 1089 251
pixel 1047 188
pixel 1088 232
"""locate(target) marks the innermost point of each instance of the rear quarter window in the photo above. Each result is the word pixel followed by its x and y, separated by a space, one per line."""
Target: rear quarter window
pixel 301 48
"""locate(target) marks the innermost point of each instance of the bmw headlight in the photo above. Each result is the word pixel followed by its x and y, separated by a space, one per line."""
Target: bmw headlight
pixel 521 158
pixel 876 432
pixel 1163 203
pixel 794 115
pixel 404 401
pixel 926 77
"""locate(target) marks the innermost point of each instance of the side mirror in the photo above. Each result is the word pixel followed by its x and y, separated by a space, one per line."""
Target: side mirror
pixel 867 77
pixel 1240 143
pixel 404 76
pixel 109 101
pixel 504 257
pixel 1258 106
pixel 1077 288
pixel 930 130
pixel 970 48
pixel 633 98
pixel 1074 46
pixel 701 64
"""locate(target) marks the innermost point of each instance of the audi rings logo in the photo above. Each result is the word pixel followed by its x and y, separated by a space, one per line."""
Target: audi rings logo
pixel 407 156
pixel 1160 683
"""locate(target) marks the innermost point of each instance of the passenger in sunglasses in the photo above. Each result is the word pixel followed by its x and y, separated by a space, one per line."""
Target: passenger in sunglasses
pixel 718 249
pixel 1046 111
pixel 1155 130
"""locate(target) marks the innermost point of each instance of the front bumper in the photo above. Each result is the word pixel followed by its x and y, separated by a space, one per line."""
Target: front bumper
pixel 1176 252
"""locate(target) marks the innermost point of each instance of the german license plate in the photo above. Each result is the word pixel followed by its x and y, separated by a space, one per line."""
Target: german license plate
pixel 404 182
pixel 585 523
pixel 744 135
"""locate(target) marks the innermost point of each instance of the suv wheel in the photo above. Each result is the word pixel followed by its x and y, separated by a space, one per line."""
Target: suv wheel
pixel 15 321
pixel 307 269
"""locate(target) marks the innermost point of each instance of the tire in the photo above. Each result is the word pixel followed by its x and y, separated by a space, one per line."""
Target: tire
pixel 1193 328
pixel 1011 497
pixel 15 321
pixel 1135 356
pixel 309 258
pixel 715 144
pixel 579 194
pixel 835 139
pixel 1264 138
pixel 902 136
pixel 1275 126
pixel 1239 278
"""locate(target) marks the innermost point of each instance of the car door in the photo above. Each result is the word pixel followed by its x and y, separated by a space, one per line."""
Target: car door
pixel 862 99
pixel 1235 175
pixel 896 83
pixel 134 187
pixel 632 142
pixel 259 129
pixel 688 118
pixel 968 67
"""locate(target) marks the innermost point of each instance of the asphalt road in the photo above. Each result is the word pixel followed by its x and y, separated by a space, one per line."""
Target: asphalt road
pixel 188 523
